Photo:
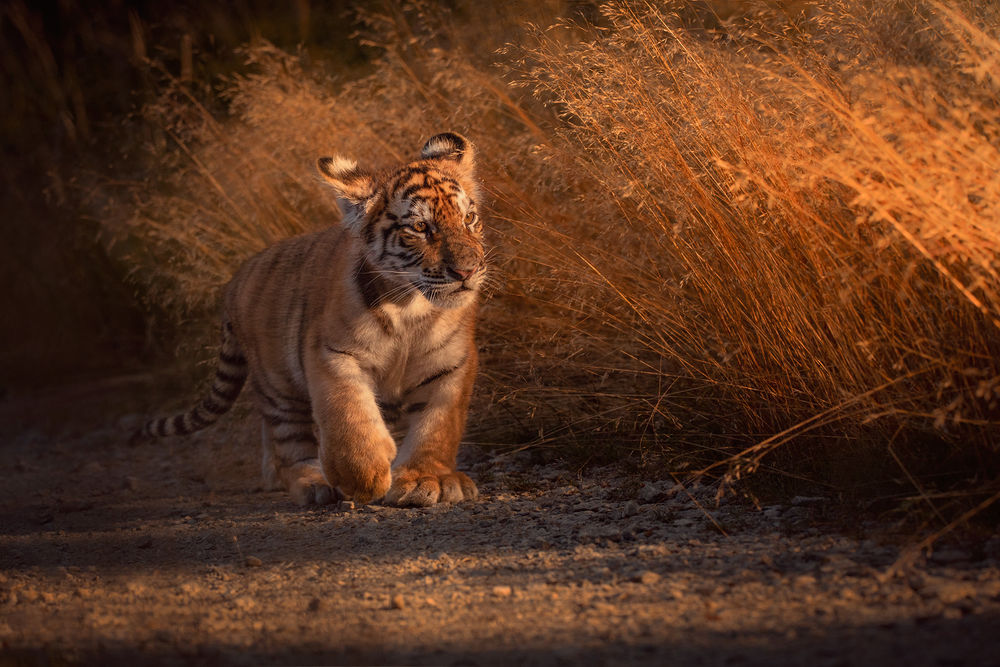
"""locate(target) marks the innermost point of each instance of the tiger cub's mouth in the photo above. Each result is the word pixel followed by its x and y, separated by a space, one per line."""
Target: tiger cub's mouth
pixel 450 294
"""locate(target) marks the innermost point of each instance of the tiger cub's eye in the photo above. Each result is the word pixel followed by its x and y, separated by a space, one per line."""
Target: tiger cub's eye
pixel 419 226
pixel 470 218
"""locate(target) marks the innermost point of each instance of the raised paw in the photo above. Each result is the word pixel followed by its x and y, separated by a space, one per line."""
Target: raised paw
pixel 306 484
pixel 420 488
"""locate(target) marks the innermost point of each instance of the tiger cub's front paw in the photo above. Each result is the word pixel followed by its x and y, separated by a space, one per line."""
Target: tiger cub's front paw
pixel 306 484
pixel 360 478
pixel 414 487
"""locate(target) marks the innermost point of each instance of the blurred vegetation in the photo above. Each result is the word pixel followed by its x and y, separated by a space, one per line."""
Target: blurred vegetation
pixel 75 77
pixel 731 236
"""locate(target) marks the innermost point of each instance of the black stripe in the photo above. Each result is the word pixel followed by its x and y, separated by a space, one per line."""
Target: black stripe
pixel 373 286
pixel 277 400
pixel 440 374
pixel 406 177
pixel 299 408
pixel 213 407
pixel 369 233
pixel 414 407
pixel 416 260
pixel 289 406
pixel 336 351
pixel 405 174
pixel 449 337
pixel 228 396
pixel 230 378
pixel 234 359
pixel 411 190
pixel 399 255
pixel 300 334
pixel 177 423
pixel 293 414
pixel 278 420
pixel 298 436
pixel 386 232
pixel 391 412
pixel 373 217
pixel 384 322
pixel 366 279
pixel 199 420
pixel 408 243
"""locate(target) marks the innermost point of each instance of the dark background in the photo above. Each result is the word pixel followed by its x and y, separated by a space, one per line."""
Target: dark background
pixel 74 77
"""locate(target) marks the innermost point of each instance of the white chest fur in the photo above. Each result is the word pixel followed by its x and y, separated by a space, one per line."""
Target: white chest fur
pixel 423 341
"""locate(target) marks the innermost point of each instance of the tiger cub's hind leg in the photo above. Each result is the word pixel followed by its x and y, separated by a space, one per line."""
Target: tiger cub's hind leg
pixel 268 462
pixel 289 451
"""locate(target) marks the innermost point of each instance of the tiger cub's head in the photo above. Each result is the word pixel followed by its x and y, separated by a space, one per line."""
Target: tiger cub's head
pixel 418 222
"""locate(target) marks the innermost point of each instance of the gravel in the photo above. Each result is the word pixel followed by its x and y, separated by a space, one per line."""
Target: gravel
pixel 167 553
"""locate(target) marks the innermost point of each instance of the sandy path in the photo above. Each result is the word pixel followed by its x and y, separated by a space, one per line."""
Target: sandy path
pixel 115 554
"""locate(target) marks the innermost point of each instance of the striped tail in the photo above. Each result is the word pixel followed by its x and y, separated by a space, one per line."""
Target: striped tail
pixel 230 375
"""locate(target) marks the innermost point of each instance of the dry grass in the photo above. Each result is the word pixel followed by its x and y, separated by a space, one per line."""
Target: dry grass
pixel 779 225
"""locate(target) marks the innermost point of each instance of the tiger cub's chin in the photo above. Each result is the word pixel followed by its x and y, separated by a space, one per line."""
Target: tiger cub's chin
pixel 339 354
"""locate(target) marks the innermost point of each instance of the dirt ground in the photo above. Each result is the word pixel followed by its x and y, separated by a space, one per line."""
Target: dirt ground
pixel 167 552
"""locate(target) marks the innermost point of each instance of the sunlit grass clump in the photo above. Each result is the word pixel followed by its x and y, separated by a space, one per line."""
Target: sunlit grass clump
pixel 712 235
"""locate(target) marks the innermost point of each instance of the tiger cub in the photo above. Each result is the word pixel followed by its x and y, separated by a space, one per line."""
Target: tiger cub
pixel 365 328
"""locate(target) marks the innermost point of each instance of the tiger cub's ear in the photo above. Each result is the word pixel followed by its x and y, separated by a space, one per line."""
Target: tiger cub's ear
pixel 454 148
pixel 353 186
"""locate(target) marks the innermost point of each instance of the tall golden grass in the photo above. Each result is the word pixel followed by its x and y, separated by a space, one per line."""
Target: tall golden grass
pixel 714 237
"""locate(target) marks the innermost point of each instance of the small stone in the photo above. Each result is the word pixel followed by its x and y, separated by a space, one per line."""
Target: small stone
pixel 253 561
pixel 397 601
pixel 647 577
pixel 650 493
pixel 630 508
pixel 502 591
pixel 345 505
